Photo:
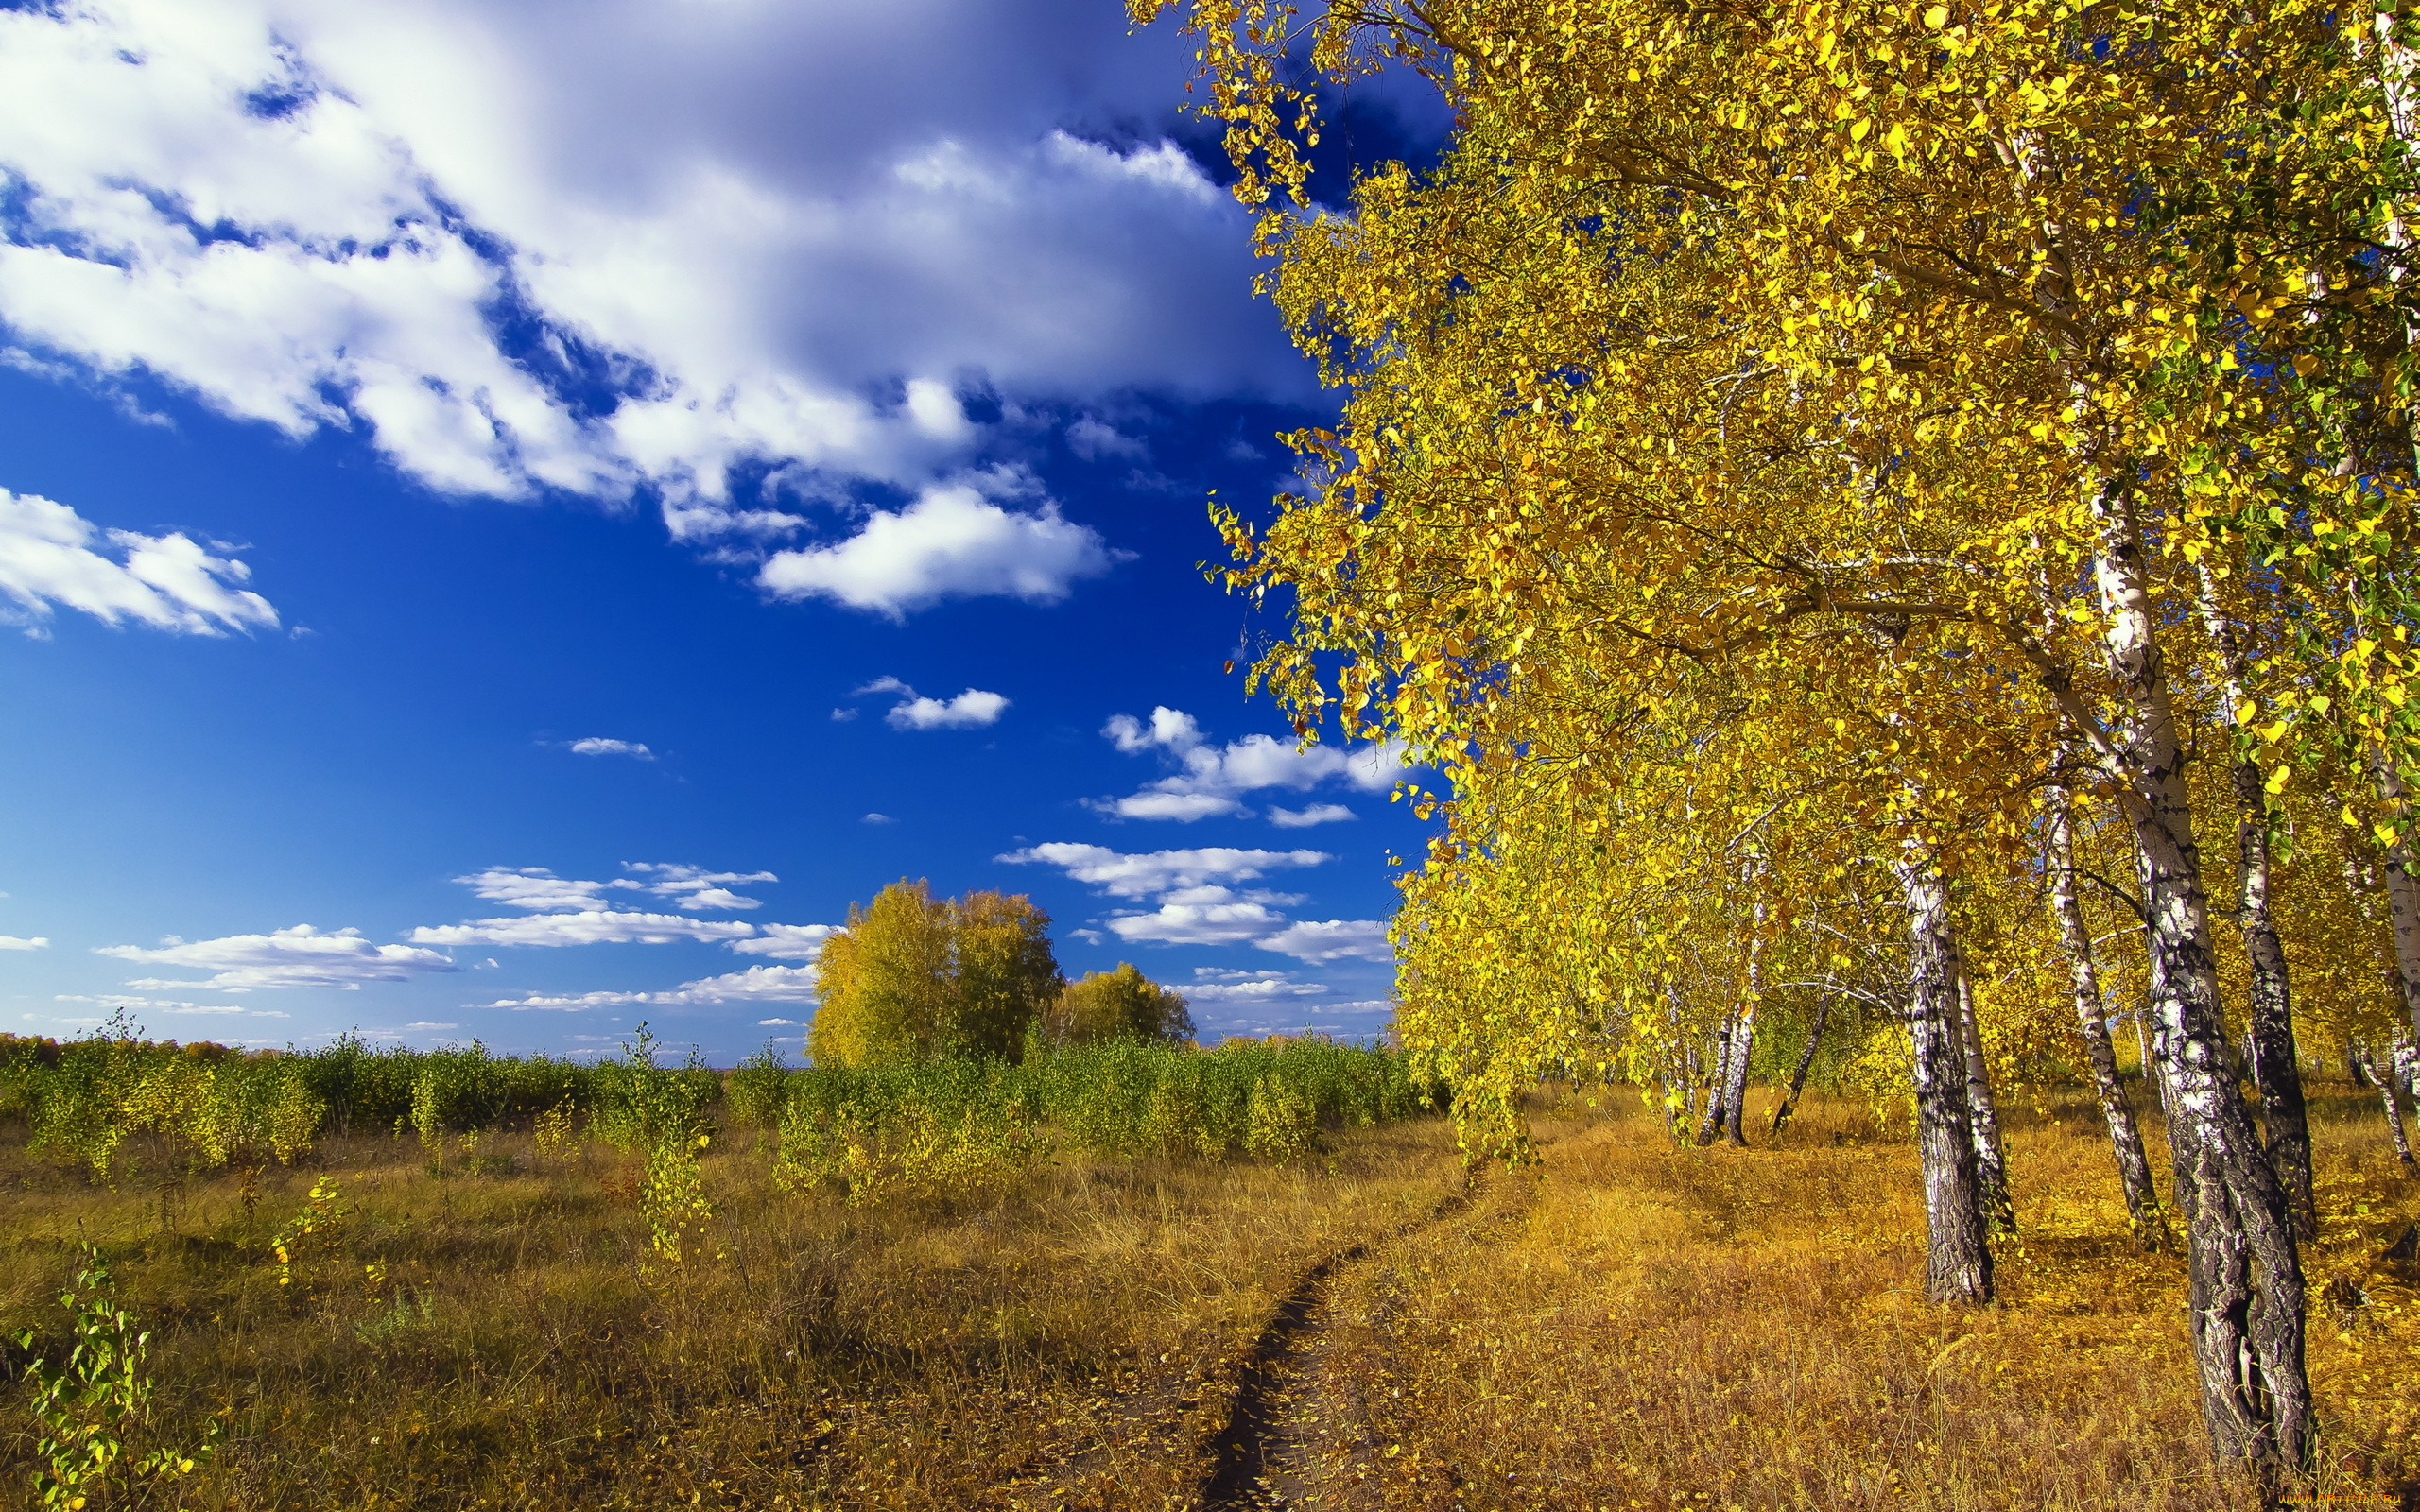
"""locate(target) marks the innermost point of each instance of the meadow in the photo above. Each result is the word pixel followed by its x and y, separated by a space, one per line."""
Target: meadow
pixel 1259 1277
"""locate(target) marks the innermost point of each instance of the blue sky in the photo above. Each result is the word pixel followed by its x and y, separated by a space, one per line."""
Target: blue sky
pixel 511 517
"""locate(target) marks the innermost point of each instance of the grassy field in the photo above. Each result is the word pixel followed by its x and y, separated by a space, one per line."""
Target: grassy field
pixel 1632 1327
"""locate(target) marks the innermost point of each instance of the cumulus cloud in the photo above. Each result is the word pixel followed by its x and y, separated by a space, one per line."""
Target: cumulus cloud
pixel 1335 940
pixel 696 240
pixel 1210 776
pixel 1303 819
pixel 605 745
pixel 50 554
pixel 1196 904
pixel 1093 439
pixel 693 887
pixel 589 926
pixel 971 710
pixel 536 887
pixel 226 1009
pixel 299 956
pixel 690 888
pixel 756 983
pixel 788 942
pixel 950 542
pixel 1212 983
pixel 1199 923
pixel 17 942
pixel 1128 874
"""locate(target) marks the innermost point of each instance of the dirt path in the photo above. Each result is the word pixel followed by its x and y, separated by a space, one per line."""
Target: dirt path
pixel 1297 1433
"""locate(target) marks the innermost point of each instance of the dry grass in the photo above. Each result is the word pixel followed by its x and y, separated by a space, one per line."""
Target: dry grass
pixel 523 1355
pixel 1641 1327
pixel 1667 1329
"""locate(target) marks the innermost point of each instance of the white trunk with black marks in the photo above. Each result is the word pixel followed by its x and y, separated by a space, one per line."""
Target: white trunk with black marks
pixel 2147 1057
pixel 1991 1155
pixel 1958 1258
pixel 1743 1039
pixel 2271 1032
pixel 1719 1078
pixel 2384 1080
pixel 2246 1273
pixel 1735 1083
pixel 2407 1068
pixel 2092 1024
pixel 2402 894
pixel 1806 1060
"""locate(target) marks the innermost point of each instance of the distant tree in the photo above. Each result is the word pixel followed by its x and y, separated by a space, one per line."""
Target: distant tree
pixel 1004 973
pixel 913 976
pixel 1123 1004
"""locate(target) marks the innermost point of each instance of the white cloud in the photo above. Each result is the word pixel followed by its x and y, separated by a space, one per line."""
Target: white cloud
pixel 696 238
pixel 15 942
pixel 299 956
pixel 535 887
pixel 1216 984
pixel 1093 439
pixel 410 1026
pixel 788 942
pixel 1169 729
pixel 970 710
pixel 50 554
pixel 693 887
pixel 567 1004
pixel 877 819
pixel 605 745
pixel 1123 874
pixel 1183 807
pixel 949 542
pixel 248 1013
pixel 1303 819
pixel 587 927
pixel 1335 940
pixel 1218 923
pixel 1212 777
pixel 539 889
pixel 757 984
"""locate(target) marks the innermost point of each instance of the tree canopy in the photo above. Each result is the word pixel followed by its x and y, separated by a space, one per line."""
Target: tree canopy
pixel 913 977
pixel 1850 498
pixel 1119 1004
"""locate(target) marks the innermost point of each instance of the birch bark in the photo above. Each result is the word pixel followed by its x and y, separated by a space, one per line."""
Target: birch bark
pixel 1806 1060
pixel 2092 1023
pixel 1718 1079
pixel 1743 1040
pixel 2246 1275
pixel 1990 1157
pixel 2274 1070
pixel 1957 1259
pixel 2385 1084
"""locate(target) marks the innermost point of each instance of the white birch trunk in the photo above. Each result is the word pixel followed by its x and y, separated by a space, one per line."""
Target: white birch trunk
pixel 2246 1273
pixel 1990 1157
pixel 2125 1139
pixel 2270 1030
pixel 2384 1081
pixel 1958 1258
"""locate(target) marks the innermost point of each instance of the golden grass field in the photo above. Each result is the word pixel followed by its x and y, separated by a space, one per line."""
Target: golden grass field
pixel 1630 1326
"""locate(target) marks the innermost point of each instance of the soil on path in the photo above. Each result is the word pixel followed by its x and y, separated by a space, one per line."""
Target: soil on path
pixel 1300 1432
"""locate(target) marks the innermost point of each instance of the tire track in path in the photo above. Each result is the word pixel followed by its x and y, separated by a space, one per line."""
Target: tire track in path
pixel 1291 1415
